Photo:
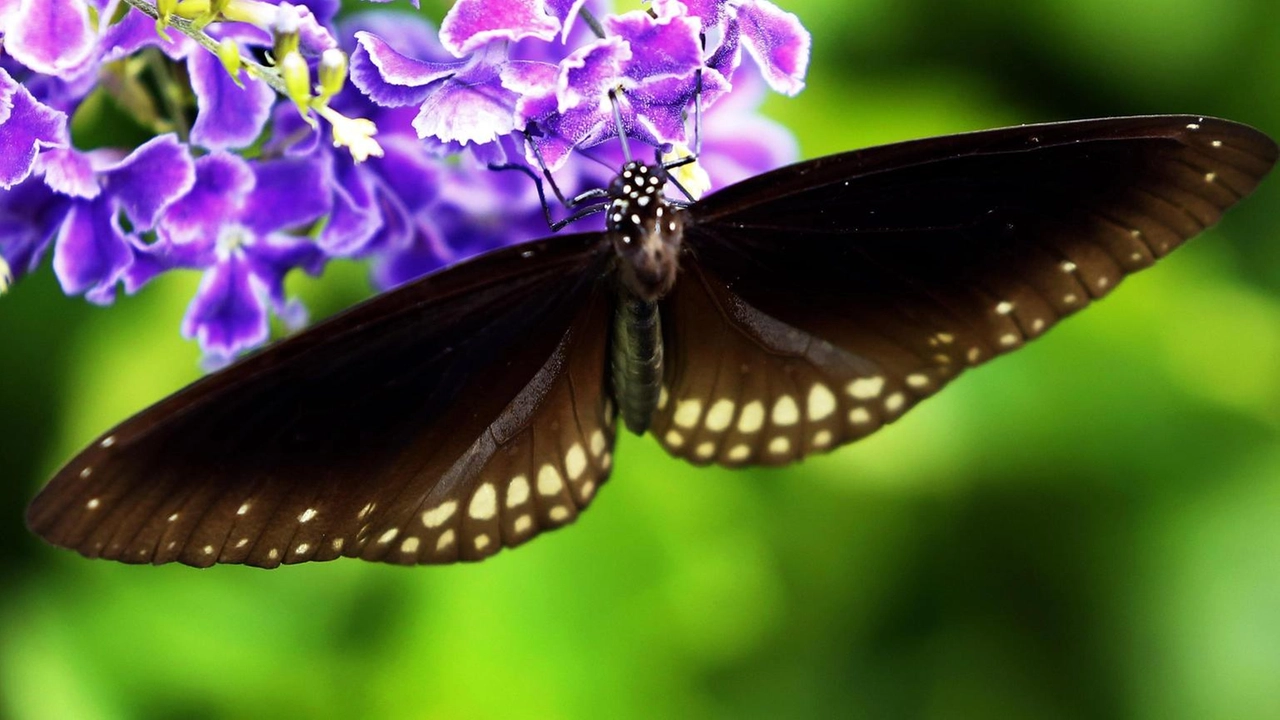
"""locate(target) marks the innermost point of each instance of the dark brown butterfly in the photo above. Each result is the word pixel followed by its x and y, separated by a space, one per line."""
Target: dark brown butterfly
pixel 783 316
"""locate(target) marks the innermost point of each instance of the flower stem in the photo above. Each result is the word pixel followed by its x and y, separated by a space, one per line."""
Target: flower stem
pixel 187 27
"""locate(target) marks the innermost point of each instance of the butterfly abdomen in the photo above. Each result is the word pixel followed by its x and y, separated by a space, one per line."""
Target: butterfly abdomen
pixel 636 359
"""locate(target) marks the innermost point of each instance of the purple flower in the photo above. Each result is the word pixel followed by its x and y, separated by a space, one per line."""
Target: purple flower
pixel 78 204
pixel 235 225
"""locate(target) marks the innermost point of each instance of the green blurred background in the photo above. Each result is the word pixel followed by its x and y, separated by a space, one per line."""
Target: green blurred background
pixel 1087 529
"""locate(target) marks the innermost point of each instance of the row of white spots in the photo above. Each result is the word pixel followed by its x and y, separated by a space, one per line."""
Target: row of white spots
pixel 484 501
pixel 820 403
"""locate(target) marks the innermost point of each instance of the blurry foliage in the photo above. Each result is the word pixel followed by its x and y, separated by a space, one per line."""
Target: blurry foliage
pixel 1087 529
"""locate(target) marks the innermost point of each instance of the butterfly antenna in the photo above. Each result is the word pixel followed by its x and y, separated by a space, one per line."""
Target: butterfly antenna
pixel 697 110
pixel 617 120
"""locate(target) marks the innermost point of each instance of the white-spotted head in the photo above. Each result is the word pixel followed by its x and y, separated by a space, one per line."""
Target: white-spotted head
pixel 645 230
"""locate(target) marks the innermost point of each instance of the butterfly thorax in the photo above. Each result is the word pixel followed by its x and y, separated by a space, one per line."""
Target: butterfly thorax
pixel 646 233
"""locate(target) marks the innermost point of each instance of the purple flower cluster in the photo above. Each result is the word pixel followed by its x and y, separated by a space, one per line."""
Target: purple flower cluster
pixel 257 169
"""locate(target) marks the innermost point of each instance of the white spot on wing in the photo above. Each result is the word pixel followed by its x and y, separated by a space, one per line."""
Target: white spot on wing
pixel 859 416
pixel 705 450
pixel 445 540
pixel 559 513
pixel 549 480
pixel 866 388
pixel 752 417
pixel 779 446
pixel 894 402
pixel 785 411
pixel 575 461
pixel 523 523
pixel 108 441
pixel 674 439
pixel 92 504
pixel 482 541
pixel 688 412
pixel 517 491
pixel 388 536
pixel 597 443
pixel 244 508
pixel 739 452
pixel 410 545
pixel 437 516
pixel 307 515
pixel 821 402
pixel 484 503
pixel 720 415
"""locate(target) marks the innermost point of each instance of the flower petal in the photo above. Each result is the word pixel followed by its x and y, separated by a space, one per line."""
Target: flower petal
pixel 587 75
pixel 49 36
pixel 473 107
pixel 91 253
pixel 70 172
pixel 777 41
pixel 471 24
pixel 270 257
pixel 289 193
pixel 663 46
pixel 223 182
pixel 229 116
pixel 392 79
pixel 356 216
pixel 30 215
pixel 26 127
pixel 152 176
pixel 228 313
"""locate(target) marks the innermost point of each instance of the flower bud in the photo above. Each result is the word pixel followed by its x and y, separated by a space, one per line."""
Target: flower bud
pixel 333 72
pixel 229 54
pixel 164 8
pixel 6 277
pixel 284 31
pixel 297 81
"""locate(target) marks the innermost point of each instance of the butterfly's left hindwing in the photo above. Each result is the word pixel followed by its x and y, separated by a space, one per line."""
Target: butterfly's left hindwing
pixel 438 422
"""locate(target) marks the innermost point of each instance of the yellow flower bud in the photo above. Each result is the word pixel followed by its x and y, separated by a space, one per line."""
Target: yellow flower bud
pixel 333 72
pixel 297 81
pixel 229 54
pixel 6 277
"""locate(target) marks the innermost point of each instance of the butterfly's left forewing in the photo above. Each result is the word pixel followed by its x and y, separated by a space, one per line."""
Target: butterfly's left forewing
pixel 820 301
pixel 439 422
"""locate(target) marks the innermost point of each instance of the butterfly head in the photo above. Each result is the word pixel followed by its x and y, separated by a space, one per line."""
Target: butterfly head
pixel 645 230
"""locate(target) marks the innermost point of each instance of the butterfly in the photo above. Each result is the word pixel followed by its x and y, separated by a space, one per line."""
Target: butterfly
pixel 783 316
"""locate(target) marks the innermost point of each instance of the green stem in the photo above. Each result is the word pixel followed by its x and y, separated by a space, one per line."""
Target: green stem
pixel 188 28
